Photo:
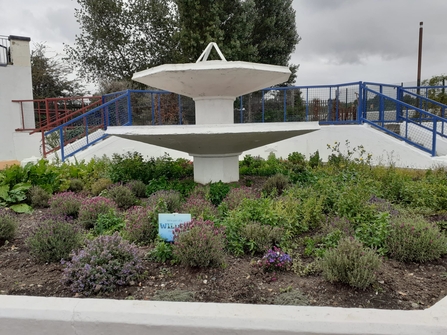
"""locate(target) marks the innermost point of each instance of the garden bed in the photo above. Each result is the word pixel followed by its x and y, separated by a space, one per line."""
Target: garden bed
pixel 398 286
pixel 306 208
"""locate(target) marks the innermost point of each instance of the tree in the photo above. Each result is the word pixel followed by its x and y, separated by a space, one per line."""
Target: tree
pixel 121 37
pixel 437 94
pixel 226 22
pixel 49 76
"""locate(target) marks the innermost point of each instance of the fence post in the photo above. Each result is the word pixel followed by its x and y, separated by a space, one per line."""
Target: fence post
pixel 263 105
pixel 307 104
pixel 129 108
pixel 61 137
pixel 285 105
pixel 179 109
pixel 360 104
pixel 433 153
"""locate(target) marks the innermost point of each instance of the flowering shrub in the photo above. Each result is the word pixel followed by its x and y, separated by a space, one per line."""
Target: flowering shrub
pixel 199 208
pixel 275 260
pixel 91 208
pixel 199 243
pixel 413 239
pixel 54 239
pixel 104 264
pixel 351 263
pixel 122 195
pixel 8 225
pixel 171 198
pixel 66 204
pixel 236 195
pixel 139 225
pixel 275 185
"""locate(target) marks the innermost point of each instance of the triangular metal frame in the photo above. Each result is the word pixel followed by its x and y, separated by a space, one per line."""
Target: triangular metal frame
pixel 204 56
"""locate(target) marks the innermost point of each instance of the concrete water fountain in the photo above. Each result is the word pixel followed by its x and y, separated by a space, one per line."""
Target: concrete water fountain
pixel 215 142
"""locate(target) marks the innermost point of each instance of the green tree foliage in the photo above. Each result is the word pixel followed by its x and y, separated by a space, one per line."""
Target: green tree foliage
pixel 227 22
pixel 437 94
pixel 120 37
pixel 49 76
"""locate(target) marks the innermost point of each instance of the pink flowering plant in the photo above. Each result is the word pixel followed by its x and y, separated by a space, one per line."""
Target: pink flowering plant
pixel 140 225
pixel 199 208
pixel 275 260
pixel 66 204
pixel 199 243
pixel 91 208
pixel 104 264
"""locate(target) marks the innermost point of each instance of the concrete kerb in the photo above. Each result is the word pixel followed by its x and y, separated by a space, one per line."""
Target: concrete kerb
pixel 36 315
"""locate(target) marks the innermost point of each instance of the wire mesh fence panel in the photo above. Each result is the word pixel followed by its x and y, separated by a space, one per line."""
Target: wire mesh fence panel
pixel 432 99
pixel 187 110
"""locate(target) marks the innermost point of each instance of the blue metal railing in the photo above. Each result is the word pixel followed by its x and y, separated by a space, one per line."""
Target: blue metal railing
pixel 417 126
pixel 352 103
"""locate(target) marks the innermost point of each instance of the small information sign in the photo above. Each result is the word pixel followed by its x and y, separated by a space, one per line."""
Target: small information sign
pixel 168 222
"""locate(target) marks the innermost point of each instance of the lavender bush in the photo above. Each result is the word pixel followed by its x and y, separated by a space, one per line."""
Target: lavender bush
pixel 236 195
pixel 104 264
pixel 54 239
pixel 8 225
pixel 172 199
pixel 199 243
pixel 275 260
pixel 91 208
pixel 413 239
pixel 66 204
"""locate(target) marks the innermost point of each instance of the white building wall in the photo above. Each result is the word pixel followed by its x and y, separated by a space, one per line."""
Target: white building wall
pixel 16 84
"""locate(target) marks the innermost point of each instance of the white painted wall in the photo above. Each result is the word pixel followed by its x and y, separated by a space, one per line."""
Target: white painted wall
pixel 15 83
pixel 384 148
pixel 20 315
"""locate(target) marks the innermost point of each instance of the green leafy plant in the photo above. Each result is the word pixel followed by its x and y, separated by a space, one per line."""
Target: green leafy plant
pixel 54 239
pixel 8 225
pixel 14 197
pixel 108 223
pixel 217 192
pixel 413 239
pixel 373 234
pixel 291 298
pixel 102 265
pixel 199 243
pixel 76 185
pixel 162 251
pixel 351 263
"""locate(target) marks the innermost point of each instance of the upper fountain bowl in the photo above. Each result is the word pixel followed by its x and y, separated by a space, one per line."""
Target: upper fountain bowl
pixel 213 79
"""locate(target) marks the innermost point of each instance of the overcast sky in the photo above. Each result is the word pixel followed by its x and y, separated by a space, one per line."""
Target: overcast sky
pixel 342 40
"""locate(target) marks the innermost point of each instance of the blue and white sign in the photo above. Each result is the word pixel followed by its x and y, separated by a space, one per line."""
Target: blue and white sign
pixel 168 222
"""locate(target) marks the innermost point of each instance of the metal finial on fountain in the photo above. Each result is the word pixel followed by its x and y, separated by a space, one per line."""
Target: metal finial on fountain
pixel 204 56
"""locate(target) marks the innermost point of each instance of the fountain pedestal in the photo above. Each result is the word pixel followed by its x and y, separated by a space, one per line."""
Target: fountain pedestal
pixel 214 141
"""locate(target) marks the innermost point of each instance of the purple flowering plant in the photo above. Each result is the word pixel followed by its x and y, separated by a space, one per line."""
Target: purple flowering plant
pixel 140 225
pixel 199 208
pixel 275 260
pixel 104 264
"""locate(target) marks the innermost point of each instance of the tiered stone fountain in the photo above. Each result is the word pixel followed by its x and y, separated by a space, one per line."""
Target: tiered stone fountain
pixel 215 142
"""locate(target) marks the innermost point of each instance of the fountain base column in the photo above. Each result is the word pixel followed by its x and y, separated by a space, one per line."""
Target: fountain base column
pixel 214 168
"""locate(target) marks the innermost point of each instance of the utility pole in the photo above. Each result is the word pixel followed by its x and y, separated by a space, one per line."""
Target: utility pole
pixel 421 31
